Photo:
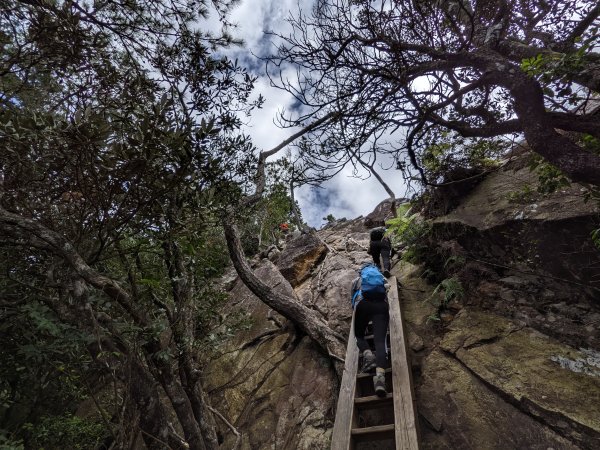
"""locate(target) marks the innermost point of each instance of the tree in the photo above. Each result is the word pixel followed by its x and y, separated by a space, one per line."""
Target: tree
pixel 121 155
pixel 120 143
pixel 329 218
pixel 305 319
pixel 406 75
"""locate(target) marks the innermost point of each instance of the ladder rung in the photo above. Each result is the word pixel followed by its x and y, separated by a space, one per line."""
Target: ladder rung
pixel 371 337
pixel 374 433
pixel 373 401
pixel 370 375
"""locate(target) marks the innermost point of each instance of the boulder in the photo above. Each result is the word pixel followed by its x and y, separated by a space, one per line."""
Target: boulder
pixel 299 257
pixel 382 212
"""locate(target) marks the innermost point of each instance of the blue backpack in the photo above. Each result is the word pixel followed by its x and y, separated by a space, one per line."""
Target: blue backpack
pixel 371 282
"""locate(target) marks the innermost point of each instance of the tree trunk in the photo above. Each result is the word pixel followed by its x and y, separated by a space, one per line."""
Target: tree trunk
pixel 305 319
pixel 191 410
pixel 153 417
pixel 198 437
pixel 579 165
pixel 204 416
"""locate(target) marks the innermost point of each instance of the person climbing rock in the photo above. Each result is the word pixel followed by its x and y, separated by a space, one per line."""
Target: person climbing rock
pixel 369 299
pixel 284 228
pixel 380 248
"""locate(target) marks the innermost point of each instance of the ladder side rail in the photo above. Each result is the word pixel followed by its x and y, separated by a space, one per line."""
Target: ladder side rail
pixel 341 438
pixel 404 409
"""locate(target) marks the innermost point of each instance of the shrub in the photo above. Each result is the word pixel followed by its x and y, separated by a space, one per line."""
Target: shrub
pixel 67 431
pixel 448 290
pixel 410 233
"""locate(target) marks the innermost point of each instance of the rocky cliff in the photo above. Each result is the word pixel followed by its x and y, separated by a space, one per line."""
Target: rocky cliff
pixel 514 362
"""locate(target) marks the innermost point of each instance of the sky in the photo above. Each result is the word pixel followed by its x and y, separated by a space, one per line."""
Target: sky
pixel 342 196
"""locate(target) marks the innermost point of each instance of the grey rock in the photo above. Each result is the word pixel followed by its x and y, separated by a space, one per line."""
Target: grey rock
pixel 513 281
pixel 299 257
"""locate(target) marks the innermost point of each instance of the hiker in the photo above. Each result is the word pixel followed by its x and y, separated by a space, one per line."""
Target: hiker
pixel 380 246
pixel 284 228
pixel 281 233
pixel 369 299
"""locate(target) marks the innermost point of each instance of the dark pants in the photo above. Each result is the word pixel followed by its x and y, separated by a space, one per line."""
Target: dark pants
pixel 383 248
pixel 376 311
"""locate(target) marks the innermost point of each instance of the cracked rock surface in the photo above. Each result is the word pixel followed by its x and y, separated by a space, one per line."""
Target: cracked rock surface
pixel 271 383
pixel 514 365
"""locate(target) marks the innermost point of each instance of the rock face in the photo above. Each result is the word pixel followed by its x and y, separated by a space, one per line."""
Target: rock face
pixel 525 342
pixel 299 258
pixel 271 383
pixel 523 366
pixel 541 267
pixel 514 364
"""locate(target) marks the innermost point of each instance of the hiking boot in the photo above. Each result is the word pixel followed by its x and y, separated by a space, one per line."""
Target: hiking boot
pixel 379 384
pixel 368 361
pixel 386 273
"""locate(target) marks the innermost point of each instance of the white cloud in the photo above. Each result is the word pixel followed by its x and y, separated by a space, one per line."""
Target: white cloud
pixel 342 196
pixel 347 196
pixel 254 17
pixel 265 134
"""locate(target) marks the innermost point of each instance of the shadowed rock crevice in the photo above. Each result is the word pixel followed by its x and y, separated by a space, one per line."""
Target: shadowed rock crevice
pixel 488 341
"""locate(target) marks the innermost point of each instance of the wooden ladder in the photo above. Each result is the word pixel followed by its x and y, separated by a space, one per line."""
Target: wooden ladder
pixel 363 420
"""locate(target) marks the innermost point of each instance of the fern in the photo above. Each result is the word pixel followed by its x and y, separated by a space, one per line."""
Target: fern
pixel 408 232
pixel 455 261
pixel 449 289
pixel 596 237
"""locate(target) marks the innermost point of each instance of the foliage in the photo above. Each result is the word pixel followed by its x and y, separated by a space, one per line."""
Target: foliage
pixel 434 157
pixel 403 209
pixel 434 85
pixel 454 262
pixel 121 152
pixel 525 195
pixel 433 317
pixel 60 432
pixel 329 218
pixel 228 327
pixel 555 71
pixel 590 143
pixel 261 223
pixel 446 151
pixel 596 237
pixel 449 289
pixel 550 178
pixel 43 359
pixel 594 194
pixel 7 443
pixel 409 232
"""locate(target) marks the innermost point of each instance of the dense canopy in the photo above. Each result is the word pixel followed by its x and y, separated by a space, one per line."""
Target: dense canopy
pixel 408 75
